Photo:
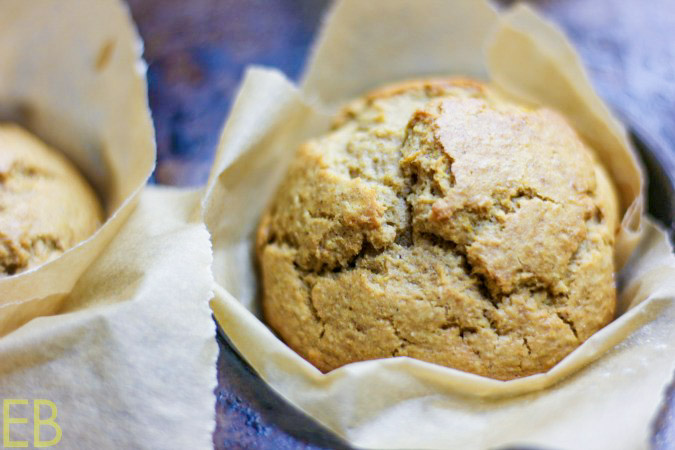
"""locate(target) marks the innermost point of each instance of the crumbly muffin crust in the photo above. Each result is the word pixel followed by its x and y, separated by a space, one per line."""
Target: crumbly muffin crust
pixel 46 206
pixel 441 221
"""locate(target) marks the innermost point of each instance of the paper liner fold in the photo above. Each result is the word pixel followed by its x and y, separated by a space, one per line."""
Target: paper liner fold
pixel 71 73
pixel 402 402
pixel 117 332
pixel 130 360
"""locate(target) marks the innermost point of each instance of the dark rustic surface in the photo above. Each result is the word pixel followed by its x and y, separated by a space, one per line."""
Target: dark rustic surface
pixel 197 52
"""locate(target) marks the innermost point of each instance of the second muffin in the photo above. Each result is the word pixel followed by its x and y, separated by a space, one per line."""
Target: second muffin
pixel 441 221
pixel 46 205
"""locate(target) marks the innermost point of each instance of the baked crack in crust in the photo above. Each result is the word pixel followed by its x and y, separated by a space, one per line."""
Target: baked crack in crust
pixel 439 220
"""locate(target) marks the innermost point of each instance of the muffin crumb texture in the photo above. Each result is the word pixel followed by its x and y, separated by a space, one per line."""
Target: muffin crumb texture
pixel 46 206
pixel 441 221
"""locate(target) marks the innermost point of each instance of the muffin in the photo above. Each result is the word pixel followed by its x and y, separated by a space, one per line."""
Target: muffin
pixel 46 206
pixel 441 221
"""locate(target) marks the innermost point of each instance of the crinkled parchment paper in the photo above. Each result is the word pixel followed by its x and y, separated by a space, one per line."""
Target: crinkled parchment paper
pixel 71 73
pixel 603 395
pixel 129 361
pixel 121 337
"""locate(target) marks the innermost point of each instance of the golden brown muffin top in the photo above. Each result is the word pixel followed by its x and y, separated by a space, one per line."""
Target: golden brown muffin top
pixel 46 206
pixel 442 221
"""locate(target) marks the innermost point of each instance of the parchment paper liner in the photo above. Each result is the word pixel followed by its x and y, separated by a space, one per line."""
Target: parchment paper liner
pixel 129 360
pixel 71 73
pixel 402 402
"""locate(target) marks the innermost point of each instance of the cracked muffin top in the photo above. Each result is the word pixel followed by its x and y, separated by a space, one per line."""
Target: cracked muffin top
pixel 46 206
pixel 441 221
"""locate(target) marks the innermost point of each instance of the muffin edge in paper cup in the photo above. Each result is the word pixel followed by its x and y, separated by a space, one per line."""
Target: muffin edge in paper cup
pixel 401 402
pixel 72 74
